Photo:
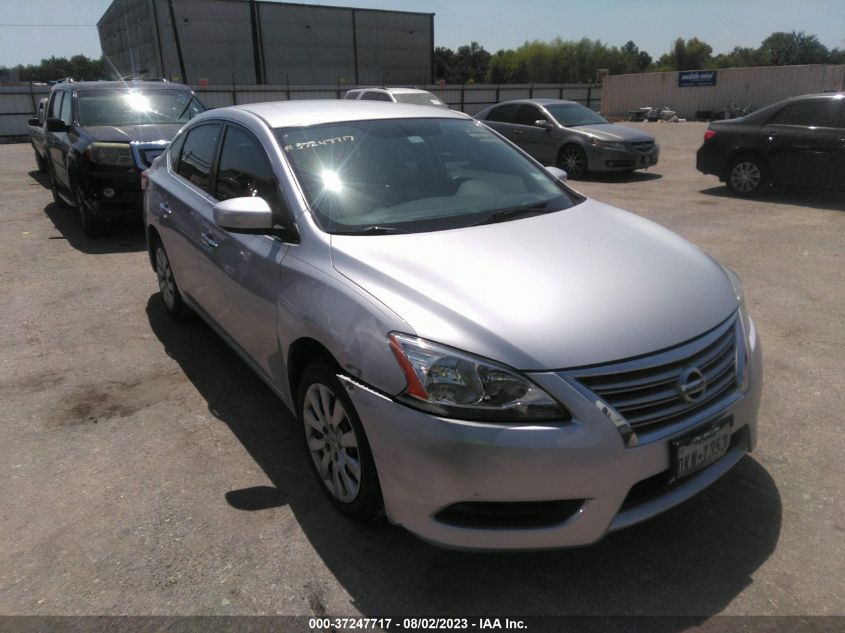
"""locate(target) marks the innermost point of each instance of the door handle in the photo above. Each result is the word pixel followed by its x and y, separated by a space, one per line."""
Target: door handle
pixel 208 240
pixel 519 131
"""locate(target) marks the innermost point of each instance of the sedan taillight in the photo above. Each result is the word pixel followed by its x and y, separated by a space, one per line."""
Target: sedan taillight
pixel 708 134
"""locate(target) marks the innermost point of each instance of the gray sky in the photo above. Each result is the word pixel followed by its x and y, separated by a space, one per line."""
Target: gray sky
pixel 495 24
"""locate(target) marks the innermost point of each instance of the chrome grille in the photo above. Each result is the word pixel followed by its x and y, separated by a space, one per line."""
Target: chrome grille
pixel 643 146
pixel 646 391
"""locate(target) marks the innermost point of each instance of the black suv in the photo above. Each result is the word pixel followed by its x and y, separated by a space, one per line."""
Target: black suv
pixel 799 141
pixel 100 135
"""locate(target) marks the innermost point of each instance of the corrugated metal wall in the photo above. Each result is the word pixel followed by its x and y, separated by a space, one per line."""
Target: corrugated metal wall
pixel 757 87
pixel 394 47
pixel 219 41
pixel 127 37
pixel 216 40
pixel 304 45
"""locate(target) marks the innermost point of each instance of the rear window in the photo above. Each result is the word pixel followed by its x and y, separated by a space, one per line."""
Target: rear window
pixel 418 98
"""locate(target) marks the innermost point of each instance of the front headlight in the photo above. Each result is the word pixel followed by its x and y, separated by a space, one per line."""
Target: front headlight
pixel 608 144
pixel 454 384
pixel 117 154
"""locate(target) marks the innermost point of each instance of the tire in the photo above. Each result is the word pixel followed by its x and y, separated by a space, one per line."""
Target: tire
pixel 171 296
pixel 40 161
pixel 747 176
pixel 573 161
pixel 92 226
pixel 336 444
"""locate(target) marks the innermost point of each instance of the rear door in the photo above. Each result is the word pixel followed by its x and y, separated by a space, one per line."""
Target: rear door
pixel 501 118
pixel 53 140
pixel 183 204
pixel 805 143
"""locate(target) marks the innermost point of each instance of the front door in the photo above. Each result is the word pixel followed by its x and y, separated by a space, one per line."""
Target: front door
pixel 241 272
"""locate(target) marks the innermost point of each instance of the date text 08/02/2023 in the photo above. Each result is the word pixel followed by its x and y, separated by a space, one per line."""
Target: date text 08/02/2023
pixel 415 624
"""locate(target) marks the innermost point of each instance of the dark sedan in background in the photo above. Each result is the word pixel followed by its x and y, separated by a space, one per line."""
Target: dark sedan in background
pixel 570 136
pixel 798 141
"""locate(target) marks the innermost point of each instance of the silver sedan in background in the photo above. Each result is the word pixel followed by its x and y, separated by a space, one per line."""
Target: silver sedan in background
pixel 571 136
pixel 471 348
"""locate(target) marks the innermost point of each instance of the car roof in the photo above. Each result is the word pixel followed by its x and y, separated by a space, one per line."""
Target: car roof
pixel 397 91
pixel 540 101
pixel 319 111
pixel 119 85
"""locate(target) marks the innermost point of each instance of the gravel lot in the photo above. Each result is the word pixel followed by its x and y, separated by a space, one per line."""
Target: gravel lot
pixel 146 470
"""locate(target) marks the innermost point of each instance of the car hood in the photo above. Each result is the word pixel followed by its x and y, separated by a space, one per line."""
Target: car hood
pixel 138 133
pixel 613 132
pixel 582 286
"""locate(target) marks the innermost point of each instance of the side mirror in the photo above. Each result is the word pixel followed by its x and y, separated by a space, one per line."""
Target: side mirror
pixel 34 122
pixel 543 124
pixel 56 125
pixel 557 173
pixel 244 215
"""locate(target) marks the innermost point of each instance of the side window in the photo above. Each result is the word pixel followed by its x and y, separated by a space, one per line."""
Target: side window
pixel 503 113
pixel 55 105
pixel 65 113
pixel 526 114
pixel 244 170
pixel 198 154
pixel 375 96
pixel 351 95
pixel 815 113
pixel 174 151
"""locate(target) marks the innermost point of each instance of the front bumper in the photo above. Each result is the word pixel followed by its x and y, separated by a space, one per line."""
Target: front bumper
pixel 605 159
pixel 426 464
pixel 123 184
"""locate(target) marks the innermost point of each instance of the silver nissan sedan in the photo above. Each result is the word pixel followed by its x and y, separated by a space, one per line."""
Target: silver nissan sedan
pixel 472 348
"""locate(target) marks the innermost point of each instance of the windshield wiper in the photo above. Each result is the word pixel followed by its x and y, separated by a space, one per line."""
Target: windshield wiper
pixel 377 230
pixel 506 214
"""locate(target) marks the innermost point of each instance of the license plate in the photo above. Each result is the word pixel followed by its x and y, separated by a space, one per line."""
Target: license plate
pixel 702 448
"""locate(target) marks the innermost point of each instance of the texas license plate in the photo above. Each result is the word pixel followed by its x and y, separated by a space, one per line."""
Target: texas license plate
pixel 701 448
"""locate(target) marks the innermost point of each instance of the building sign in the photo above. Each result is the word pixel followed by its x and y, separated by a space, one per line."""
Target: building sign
pixel 696 78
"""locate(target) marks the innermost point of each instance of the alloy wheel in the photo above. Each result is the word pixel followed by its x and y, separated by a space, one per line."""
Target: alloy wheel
pixel 573 162
pixel 332 442
pixel 746 176
pixel 165 279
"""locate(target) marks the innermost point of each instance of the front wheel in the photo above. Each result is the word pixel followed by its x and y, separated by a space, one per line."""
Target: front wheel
pixel 747 176
pixel 337 446
pixel 92 226
pixel 573 161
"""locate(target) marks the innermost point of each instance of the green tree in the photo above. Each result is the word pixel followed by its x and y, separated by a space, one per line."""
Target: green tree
pixel 692 54
pixel 784 49
pixel 78 67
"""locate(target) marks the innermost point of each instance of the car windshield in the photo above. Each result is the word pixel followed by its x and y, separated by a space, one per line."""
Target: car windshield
pixel 418 98
pixel 136 107
pixel 574 114
pixel 415 175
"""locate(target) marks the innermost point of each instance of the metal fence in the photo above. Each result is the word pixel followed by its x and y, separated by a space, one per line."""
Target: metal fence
pixel 18 102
